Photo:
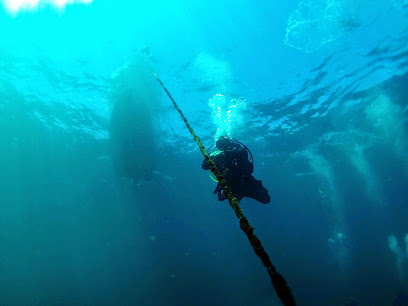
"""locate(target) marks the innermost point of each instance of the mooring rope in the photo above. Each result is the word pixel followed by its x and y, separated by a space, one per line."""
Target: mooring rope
pixel 279 283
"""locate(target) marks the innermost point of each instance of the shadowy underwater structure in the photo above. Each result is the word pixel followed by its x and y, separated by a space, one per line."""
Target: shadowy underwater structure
pixel 131 132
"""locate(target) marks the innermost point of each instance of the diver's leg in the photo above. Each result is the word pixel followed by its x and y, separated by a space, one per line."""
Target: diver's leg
pixel 256 191
pixel 221 196
pixel 220 193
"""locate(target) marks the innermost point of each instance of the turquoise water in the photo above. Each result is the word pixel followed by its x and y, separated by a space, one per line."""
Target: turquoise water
pixel 316 89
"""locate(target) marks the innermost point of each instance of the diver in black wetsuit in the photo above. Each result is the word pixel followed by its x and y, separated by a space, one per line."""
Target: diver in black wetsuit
pixel 231 160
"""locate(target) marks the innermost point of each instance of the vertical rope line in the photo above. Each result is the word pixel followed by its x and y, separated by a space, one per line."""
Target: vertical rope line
pixel 279 283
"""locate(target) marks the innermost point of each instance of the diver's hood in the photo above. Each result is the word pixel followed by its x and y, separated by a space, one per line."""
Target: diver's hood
pixel 225 142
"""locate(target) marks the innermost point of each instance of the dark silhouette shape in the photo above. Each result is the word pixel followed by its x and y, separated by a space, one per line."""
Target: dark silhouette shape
pixel 234 161
pixel 131 132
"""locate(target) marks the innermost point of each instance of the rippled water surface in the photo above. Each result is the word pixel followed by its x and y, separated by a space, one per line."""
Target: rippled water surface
pixel 102 196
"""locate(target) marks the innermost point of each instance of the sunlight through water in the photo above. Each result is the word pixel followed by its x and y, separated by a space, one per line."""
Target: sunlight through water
pixel 15 6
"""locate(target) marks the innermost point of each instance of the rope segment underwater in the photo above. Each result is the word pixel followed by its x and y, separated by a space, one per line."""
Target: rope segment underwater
pixel 279 283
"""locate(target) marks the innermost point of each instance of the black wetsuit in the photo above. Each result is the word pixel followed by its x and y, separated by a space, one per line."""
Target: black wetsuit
pixel 233 163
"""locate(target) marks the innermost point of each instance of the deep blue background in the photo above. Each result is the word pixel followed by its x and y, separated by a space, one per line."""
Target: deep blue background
pixel 325 85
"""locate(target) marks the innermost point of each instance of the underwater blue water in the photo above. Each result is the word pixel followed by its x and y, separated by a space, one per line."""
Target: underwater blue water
pixel 318 90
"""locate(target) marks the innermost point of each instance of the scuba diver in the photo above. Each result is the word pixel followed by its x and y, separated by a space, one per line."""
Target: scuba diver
pixel 231 158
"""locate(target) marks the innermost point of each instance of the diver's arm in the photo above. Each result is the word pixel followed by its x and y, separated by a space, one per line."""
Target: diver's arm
pixel 216 157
